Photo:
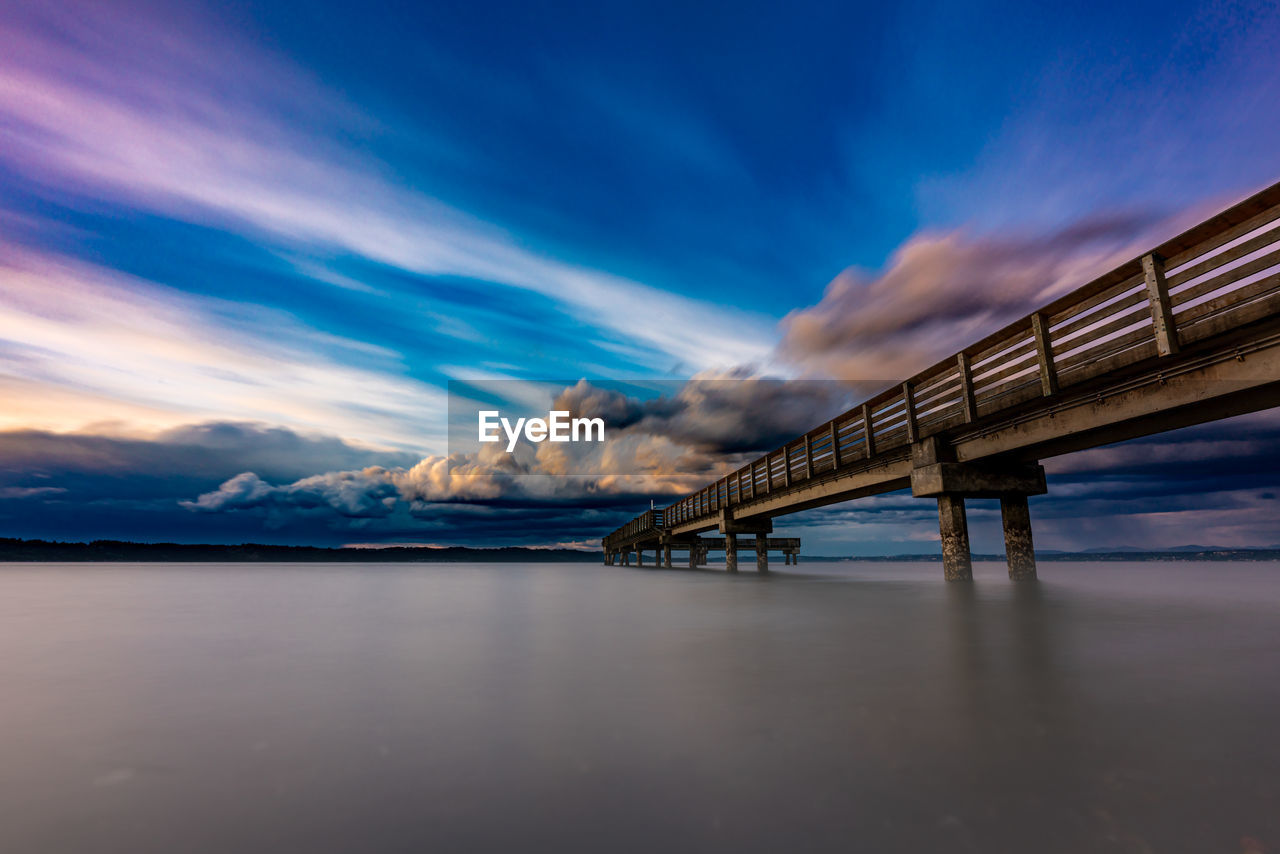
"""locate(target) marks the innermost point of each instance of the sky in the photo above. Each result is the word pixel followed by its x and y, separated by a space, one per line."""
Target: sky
pixel 247 247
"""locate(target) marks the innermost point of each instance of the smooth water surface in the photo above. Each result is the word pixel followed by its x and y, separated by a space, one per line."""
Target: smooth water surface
pixel 831 707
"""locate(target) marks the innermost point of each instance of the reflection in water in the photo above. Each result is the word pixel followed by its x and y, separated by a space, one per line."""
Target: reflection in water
pixel 402 708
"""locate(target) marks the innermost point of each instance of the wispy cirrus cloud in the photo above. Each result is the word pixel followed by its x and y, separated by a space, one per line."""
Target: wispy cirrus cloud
pixel 80 345
pixel 147 115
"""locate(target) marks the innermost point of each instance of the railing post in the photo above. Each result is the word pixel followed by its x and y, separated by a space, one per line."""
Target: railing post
pixel 909 409
pixel 868 432
pixel 835 446
pixel 1044 351
pixel 967 400
pixel 786 466
pixel 1161 309
pixel 808 457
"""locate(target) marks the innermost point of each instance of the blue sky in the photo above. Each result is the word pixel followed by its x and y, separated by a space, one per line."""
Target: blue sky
pixel 226 227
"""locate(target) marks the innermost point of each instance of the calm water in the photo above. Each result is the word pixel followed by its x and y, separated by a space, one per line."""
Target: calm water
pixel 327 708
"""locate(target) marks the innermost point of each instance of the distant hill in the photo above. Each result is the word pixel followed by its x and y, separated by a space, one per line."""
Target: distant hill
pixel 115 550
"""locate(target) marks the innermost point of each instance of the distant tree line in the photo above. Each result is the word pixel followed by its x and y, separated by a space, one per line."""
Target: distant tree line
pixel 116 550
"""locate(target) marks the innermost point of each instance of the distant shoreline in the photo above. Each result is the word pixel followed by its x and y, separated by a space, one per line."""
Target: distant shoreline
pixel 44 551
pixel 101 551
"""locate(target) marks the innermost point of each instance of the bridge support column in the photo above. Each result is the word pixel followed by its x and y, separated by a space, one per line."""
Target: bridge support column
pixel 762 554
pixel 1018 548
pixel 936 473
pixel 666 555
pixel 693 554
pixel 731 527
pixel 957 562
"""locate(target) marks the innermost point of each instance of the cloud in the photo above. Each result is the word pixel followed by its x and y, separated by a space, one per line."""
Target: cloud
pixel 357 495
pixel 29 491
pixel 718 412
pixel 237 482
pixel 169 463
pixel 258 148
pixel 942 291
pixel 662 446
pixel 77 342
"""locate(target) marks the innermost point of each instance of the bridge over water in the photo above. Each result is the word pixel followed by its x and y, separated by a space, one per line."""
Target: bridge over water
pixel 1187 333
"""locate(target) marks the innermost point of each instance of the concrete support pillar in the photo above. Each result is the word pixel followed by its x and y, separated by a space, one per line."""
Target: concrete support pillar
pixel 1018 548
pixel 693 554
pixel 957 563
pixel 762 555
pixel 666 555
pixel 731 552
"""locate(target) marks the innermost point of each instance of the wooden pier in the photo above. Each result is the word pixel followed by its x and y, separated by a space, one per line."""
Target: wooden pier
pixel 1185 333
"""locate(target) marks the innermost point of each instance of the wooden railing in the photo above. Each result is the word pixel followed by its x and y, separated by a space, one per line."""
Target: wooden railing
pixel 1213 278
pixel 643 525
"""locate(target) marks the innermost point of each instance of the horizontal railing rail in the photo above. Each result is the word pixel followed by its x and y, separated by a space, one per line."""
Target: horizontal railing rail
pixel 1215 277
